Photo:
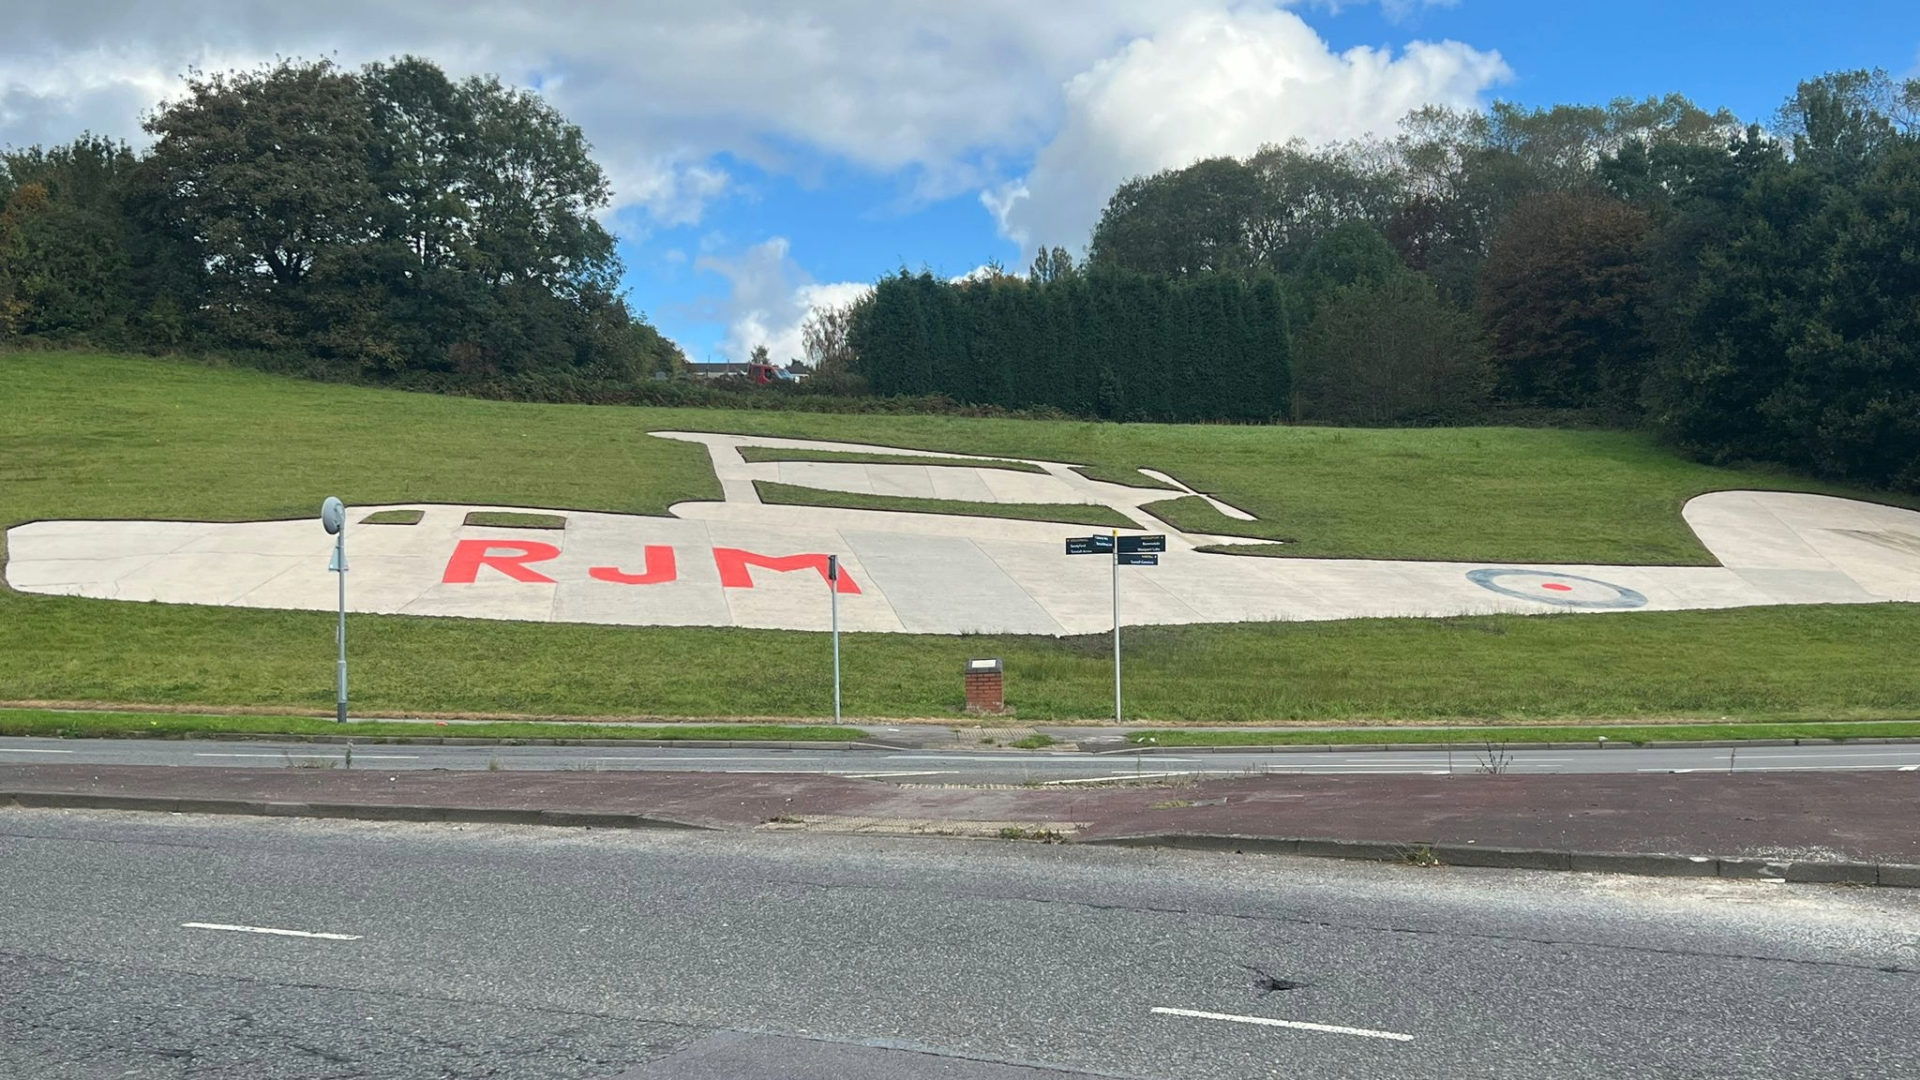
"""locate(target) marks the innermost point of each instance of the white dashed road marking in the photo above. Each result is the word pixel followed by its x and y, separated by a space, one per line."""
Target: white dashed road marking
pixel 1297 1025
pixel 274 931
pixel 308 753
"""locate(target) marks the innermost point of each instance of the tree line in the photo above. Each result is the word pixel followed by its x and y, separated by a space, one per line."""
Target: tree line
pixel 1747 292
pixel 385 224
pixel 1111 343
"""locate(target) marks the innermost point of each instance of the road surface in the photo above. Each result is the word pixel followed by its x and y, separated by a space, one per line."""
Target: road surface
pixel 176 946
pixel 951 767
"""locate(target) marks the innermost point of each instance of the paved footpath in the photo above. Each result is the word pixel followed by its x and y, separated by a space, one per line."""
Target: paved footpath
pixel 1857 827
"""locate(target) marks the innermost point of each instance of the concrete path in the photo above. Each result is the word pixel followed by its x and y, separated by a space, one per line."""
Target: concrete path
pixel 744 563
pixel 1817 818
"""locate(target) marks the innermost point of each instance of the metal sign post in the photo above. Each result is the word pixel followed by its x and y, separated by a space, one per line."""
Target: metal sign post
pixel 833 590
pixel 1116 629
pixel 1124 551
pixel 333 517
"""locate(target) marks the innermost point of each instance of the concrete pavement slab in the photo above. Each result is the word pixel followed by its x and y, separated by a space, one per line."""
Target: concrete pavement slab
pixel 743 563
pixel 1752 825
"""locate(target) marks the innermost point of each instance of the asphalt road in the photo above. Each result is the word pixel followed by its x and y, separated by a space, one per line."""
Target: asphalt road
pixel 553 953
pixel 950 767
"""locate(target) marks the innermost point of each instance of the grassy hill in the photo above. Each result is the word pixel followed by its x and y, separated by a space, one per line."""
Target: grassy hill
pixel 93 436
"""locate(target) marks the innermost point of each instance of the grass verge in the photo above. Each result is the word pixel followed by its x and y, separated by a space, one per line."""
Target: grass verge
pixel 508 519
pixel 1638 734
pixel 394 517
pixel 112 725
pixel 1069 513
pixel 115 437
pixel 1842 662
pixel 855 457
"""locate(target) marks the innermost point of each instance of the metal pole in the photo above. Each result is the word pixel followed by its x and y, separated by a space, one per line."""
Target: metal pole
pixel 1116 628
pixel 340 698
pixel 833 590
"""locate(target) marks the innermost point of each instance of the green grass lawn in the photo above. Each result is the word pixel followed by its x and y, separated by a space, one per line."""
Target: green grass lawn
pixel 90 436
pixel 508 519
pixel 1636 734
pixel 68 724
pixel 1069 513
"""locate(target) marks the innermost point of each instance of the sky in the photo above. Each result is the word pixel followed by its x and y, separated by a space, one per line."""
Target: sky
pixel 769 156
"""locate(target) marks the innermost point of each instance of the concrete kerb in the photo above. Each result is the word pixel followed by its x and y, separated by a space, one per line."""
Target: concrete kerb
pixel 470 815
pixel 1890 875
pixel 1589 744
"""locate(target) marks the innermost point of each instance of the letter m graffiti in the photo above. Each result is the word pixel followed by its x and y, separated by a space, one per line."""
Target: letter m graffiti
pixel 733 564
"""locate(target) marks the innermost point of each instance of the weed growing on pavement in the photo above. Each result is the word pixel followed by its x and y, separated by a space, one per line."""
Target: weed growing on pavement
pixel 1494 759
pixel 1020 832
pixel 1419 855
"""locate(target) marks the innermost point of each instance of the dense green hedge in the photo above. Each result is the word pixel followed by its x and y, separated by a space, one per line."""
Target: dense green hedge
pixel 1113 344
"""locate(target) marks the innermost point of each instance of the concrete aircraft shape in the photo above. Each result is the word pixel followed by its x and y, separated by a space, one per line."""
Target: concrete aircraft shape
pixel 742 562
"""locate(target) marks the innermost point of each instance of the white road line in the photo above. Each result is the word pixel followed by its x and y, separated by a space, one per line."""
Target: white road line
pixel 1121 776
pixel 1794 768
pixel 1373 763
pixel 1804 751
pixel 312 754
pixel 1394 771
pixel 664 755
pixel 1061 758
pixel 1816 768
pixel 268 930
pixel 25 750
pixel 1298 1025
pixel 883 775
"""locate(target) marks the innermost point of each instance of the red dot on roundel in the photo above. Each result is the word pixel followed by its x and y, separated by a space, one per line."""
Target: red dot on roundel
pixel 1557 587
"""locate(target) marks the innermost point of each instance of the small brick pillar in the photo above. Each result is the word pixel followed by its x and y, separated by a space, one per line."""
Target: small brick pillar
pixel 986 687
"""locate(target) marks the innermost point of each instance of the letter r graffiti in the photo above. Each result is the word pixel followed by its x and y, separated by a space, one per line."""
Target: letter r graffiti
pixel 471 555
pixel 733 564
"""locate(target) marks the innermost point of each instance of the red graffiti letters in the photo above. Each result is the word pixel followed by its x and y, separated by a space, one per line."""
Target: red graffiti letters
pixel 471 555
pixel 734 574
pixel 660 569
pixel 510 557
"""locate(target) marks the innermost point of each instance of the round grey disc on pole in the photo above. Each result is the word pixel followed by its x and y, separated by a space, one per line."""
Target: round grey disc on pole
pixel 333 515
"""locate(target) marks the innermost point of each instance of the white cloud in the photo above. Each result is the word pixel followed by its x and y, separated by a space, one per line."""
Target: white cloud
pixel 941 95
pixel 1220 82
pixel 935 91
pixel 771 296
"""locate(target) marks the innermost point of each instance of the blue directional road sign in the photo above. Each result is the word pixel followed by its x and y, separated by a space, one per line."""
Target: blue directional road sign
pixel 1134 545
pixel 1137 559
pixel 1089 545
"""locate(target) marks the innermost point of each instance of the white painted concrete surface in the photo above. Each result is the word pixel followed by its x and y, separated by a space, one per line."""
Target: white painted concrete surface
pixel 926 573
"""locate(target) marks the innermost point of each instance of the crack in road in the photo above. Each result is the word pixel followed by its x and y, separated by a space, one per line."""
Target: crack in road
pixel 1413 931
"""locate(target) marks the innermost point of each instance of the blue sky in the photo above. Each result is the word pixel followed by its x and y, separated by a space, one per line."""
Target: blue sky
pixel 768 156
pixel 850 224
